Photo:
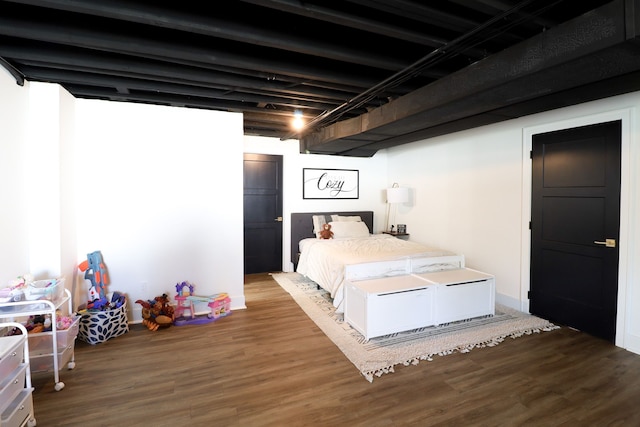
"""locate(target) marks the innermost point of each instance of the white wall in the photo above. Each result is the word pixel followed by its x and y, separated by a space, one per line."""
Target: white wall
pixel 159 193
pixel 372 179
pixel 43 185
pixel 68 231
pixel 34 191
pixel 157 190
pixel 472 195
pixel 466 190
pixel 14 201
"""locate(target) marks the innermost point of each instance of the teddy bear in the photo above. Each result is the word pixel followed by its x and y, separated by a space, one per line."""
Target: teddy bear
pixel 326 232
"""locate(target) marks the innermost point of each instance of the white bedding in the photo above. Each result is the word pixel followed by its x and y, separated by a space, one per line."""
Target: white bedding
pixel 324 261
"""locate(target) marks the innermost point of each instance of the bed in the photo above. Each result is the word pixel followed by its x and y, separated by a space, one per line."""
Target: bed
pixel 358 255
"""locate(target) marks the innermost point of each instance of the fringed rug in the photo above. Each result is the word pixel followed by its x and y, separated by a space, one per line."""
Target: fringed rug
pixel 379 355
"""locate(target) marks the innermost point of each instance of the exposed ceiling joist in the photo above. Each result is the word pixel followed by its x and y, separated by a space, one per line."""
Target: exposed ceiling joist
pixel 352 67
pixel 554 69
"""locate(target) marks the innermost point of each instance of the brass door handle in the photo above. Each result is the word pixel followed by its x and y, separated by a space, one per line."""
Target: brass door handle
pixel 279 219
pixel 610 243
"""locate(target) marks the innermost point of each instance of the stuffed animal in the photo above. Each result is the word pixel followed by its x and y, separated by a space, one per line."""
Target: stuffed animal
pixel 326 232
pixel 157 312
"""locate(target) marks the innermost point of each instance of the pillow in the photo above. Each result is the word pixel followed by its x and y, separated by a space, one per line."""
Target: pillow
pixel 346 218
pixel 347 229
pixel 318 222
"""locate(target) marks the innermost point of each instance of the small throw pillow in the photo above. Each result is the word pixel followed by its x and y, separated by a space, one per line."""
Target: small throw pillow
pixel 349 229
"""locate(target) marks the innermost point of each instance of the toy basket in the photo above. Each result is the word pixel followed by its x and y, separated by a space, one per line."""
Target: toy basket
pixel 100 326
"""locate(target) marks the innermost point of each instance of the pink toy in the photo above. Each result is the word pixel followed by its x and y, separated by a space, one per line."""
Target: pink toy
pixel 184 290
pixel 220 305
pixel 63 322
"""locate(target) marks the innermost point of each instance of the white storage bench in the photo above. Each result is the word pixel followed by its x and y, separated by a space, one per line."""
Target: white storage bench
pixel 377 307
pixel 382 306
pixel 461 294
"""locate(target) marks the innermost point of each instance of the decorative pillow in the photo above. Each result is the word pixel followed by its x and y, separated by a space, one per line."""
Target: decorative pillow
pixel 355 218
pixel 347 229
pixel 318 223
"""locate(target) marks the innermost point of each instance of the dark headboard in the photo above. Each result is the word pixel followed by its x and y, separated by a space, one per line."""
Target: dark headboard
pixel 302 227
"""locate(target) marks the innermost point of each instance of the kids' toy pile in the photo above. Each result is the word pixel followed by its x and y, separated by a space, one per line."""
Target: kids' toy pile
pixel 96 272
pixel 102 318
pixel 15 291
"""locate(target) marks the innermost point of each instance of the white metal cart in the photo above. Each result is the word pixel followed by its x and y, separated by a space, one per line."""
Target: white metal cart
pixel 18 309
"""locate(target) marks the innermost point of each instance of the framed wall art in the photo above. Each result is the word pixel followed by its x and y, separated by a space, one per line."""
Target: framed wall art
pixel 330 183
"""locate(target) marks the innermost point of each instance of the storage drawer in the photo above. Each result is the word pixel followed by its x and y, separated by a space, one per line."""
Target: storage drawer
pixel 11 385
pixel 18 411
pixel 44 362
pixel 11 354
pixel 42 343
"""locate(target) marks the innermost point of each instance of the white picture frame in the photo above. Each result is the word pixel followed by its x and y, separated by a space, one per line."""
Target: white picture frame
pixel 330 183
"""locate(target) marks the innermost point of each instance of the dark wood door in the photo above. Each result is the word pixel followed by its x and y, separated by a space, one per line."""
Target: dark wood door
pixel 262 213
pixel 575 222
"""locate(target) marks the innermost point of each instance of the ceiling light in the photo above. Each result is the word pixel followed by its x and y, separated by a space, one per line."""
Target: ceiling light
pixel 297 122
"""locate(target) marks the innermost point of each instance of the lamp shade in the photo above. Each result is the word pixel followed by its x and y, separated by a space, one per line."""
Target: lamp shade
pixel 397 195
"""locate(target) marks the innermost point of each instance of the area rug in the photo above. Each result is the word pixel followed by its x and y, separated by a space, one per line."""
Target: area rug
pixel 380 355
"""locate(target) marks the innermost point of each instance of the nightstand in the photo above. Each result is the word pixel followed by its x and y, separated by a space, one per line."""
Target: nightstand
pixel 403 236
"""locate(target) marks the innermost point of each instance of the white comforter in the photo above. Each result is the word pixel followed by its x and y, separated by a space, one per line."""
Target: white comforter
pixel 324 261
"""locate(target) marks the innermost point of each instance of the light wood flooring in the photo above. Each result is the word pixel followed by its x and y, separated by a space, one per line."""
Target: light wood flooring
pixel 269 365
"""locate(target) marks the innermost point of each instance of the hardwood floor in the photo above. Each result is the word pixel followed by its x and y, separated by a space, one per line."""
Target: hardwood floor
pixel 269 365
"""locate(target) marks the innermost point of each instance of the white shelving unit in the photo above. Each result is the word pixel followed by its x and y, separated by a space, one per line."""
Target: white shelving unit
pixel 18 309
pixel 16 399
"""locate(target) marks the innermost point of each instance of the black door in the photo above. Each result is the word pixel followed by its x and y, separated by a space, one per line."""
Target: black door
pixel 575 213
pixel 262 213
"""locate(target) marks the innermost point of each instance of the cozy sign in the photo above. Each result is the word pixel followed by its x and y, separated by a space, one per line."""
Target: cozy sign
pixel 329 183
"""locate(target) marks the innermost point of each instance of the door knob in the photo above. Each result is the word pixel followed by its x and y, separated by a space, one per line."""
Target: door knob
pixel 279 219
pixel 610 243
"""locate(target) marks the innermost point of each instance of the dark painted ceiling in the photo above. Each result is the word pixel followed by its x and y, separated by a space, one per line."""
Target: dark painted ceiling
pixel 366 75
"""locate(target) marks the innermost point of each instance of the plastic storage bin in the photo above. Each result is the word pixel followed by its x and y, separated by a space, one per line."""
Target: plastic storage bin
pixel 13 384
pixel 11 356
pixel 42 343
pixel 19 411
pixel 49 289
pixel 44 362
